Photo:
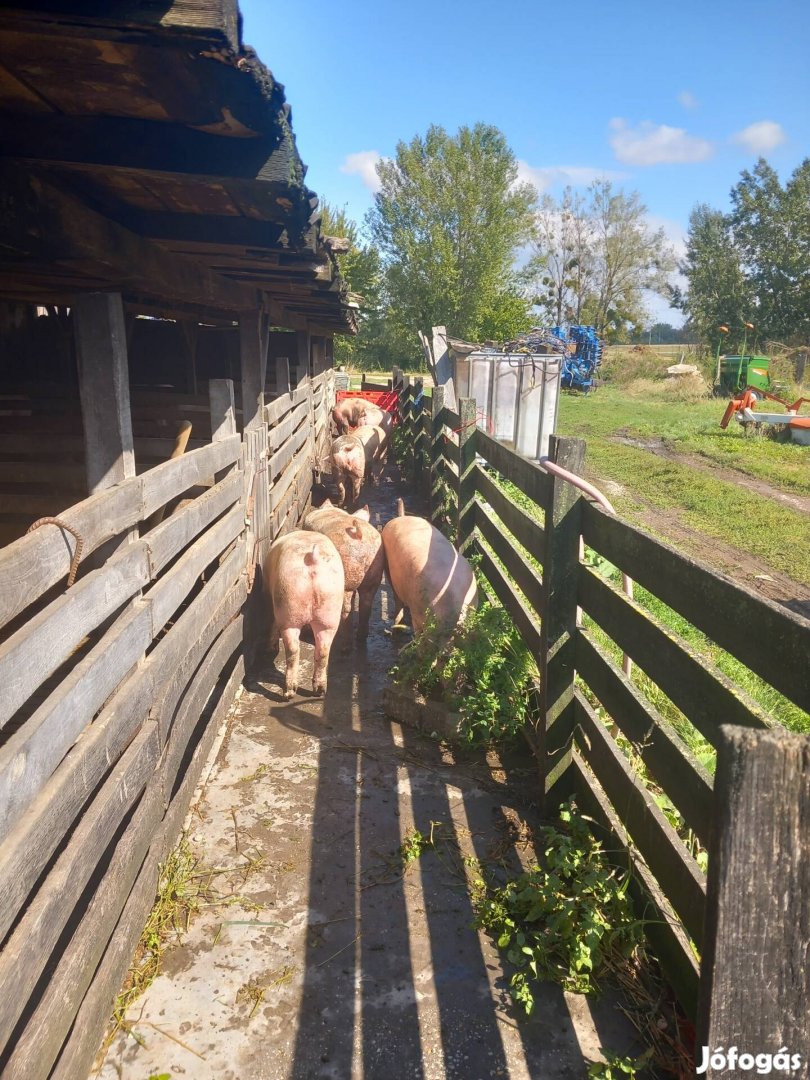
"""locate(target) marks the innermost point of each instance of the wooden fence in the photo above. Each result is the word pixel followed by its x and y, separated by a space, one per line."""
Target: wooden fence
pixel 113 692
pixel 530 558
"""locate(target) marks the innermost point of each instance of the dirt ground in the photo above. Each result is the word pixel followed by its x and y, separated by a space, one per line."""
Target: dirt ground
pixel 318 951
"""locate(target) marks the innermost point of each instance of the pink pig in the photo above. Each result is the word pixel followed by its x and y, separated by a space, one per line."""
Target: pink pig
pixel 359 545
pixel 304 582
pixel 375 445
pixel 348 458
pixel 427 573
pixel 352 413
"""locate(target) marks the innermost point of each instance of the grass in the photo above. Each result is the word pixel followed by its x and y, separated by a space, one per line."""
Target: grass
pixel 715 507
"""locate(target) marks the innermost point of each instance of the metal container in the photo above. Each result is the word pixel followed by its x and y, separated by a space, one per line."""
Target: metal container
pixel 516 394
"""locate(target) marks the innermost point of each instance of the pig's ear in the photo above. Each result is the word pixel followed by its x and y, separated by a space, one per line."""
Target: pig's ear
pixel 363 513
pixel 326 502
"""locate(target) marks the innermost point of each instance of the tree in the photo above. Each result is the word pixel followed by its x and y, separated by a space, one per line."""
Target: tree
pixel 718 292
pixel 771 227
pixel 564 259
pixel 752 265
pixel 449 219
pixel 630 257
pixel 596 256
pixel 361 269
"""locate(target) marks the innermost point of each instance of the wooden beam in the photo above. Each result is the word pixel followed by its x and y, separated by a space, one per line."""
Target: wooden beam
pixel 101 349
pixel 215 20
pixel 443 365
pixel 253 365
pixel 138 145
pixel 46 229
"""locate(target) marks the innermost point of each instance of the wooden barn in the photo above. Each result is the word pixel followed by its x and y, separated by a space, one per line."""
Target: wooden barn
pixel 162 275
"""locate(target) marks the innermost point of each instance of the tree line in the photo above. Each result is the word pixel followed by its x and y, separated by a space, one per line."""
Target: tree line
pixel 454 237
pixel 751 265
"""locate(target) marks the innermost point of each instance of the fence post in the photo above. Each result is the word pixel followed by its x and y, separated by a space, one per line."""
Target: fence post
pixel 467 412
pixel 559 621
pixel 405 434
pixel 755 979
pixel 436 465
pixel 417 429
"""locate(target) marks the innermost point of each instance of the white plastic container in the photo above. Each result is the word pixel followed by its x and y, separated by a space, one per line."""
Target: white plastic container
pixel 517 396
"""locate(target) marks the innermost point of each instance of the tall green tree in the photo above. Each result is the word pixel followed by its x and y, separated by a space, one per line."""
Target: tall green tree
pixel 630 257
pixel 771 226
pixel 449 220
pixel 719 294
pixel 361 269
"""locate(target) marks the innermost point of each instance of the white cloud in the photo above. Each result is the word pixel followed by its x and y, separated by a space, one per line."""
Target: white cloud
pixel 688 99
pixel 656 144
pixel 760 138
pixel 364 165
pixel 544 177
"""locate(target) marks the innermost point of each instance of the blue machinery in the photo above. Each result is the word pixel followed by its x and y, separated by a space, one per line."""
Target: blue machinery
pixel 579 346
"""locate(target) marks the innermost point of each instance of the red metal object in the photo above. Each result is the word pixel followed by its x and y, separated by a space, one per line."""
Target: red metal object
pixel 383 399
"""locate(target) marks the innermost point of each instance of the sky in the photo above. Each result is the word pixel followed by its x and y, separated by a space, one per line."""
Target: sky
pixel 673 100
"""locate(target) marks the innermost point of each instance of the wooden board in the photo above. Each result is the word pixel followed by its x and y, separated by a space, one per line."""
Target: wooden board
pixel 768 638
pixel 668 759
pixel 705 696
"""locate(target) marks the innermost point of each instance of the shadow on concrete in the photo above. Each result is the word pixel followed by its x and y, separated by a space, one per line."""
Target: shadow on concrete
pixel 396 980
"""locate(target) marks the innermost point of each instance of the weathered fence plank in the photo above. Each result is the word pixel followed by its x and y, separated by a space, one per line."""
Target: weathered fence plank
pixel 279 407
pixel 524 618
pixel 523 573
pixel 39 831
pixel 659 845
pixel 34 751
pixel 669 761
pixel 755 978
pixel 699 689
pixel 282 431
pixel 91 1020
pixel 560 561
pixel 32 564
pixel 524 528
pixel 37 649
pixel 527 476
pixel 721 608
pixel 170 479
pixel 666 936
pixel 31 945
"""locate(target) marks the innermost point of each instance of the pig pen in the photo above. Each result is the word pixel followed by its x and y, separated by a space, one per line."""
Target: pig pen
pixel 317 948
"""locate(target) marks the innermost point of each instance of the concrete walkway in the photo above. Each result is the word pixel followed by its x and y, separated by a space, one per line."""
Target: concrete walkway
pixel 319 951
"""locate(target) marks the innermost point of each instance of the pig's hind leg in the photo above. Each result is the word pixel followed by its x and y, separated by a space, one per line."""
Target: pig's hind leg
pixel 324 636
pixel 291 637
pixel 339 479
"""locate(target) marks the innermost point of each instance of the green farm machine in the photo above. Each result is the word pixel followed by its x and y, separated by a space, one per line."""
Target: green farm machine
pixel 735 373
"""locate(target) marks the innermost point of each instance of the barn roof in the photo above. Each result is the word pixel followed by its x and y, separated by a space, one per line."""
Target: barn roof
pixel 143 145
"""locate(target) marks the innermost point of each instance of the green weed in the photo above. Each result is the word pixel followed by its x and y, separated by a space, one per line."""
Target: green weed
pixel 616 1066
pixel 569 920
pixel 484 672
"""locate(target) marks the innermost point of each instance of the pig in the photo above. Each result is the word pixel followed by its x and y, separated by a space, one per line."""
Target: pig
pixel 359 545
pixel 304 583
pixel 375 445
pixel 348 460
pixel 353 413
pixel 426 572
